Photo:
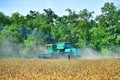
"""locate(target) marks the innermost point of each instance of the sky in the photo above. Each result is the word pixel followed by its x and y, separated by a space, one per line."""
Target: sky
pixel 58 6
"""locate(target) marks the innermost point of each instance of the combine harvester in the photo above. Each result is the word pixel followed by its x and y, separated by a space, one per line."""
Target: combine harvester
pixel 60 50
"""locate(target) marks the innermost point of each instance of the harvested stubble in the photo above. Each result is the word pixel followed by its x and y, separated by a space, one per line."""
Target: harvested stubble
pixel 59 69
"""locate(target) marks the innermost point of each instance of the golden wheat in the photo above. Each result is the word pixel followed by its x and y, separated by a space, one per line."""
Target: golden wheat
pixel 59 69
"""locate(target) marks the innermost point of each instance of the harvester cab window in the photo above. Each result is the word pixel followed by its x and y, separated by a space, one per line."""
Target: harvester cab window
pixel 68 45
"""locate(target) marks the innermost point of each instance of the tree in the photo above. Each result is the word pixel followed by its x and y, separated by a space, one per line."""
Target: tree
pixel 83 28
pixel 4 20
pixel 18 19
pixel 108 16
pixel 109 21
pixel 50 16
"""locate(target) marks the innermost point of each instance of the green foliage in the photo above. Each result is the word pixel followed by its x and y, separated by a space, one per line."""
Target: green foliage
pixel 98 37
pixel 4 20
pixel 34 39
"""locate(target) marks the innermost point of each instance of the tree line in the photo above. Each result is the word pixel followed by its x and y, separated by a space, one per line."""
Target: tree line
pixel 101 33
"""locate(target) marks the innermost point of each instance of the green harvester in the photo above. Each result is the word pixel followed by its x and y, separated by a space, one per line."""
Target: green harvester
pixel 60 50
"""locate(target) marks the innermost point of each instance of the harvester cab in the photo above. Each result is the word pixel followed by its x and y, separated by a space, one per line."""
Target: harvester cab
pixel 64 49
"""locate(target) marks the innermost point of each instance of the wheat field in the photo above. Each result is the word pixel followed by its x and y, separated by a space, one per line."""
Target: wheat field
pixel 59 69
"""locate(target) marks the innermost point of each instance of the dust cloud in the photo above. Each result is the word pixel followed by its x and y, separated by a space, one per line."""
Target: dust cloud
pixel 89 53
pixel 10 49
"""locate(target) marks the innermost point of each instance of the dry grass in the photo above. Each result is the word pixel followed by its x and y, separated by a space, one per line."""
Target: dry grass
pixel 76 69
